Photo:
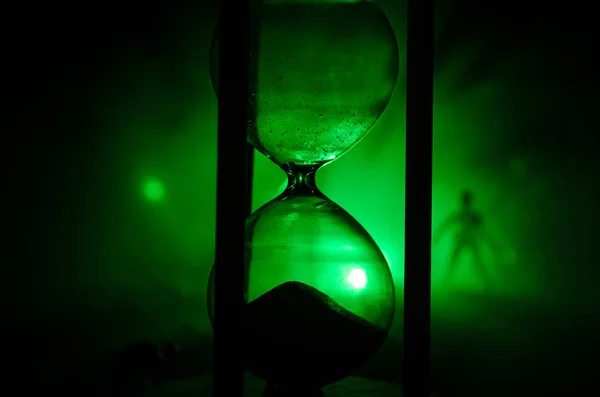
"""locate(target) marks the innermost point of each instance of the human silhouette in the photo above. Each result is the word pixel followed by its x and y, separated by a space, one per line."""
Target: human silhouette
pixel 468 235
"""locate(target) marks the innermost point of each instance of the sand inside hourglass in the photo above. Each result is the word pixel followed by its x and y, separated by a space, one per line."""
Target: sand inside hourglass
pixel 295 334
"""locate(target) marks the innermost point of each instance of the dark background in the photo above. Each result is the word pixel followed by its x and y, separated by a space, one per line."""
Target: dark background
pixel 60 61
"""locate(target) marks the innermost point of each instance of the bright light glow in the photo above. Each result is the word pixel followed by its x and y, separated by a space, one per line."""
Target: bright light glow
pixel 154 190
pixel 357 278
pixel 332 157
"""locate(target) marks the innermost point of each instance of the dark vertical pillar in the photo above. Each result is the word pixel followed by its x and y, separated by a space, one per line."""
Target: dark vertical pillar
pixel 254 46
pixel 249 177
pixel 232 176
pixel 419 156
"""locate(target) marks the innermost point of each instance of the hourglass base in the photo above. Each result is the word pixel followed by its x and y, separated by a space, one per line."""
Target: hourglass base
pixel 272 390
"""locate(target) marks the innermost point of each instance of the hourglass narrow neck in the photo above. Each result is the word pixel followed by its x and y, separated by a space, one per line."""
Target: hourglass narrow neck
pixel 301 181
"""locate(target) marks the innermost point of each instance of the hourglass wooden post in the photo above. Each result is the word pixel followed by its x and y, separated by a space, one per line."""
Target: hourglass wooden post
pixel 234 170
pixel 419 150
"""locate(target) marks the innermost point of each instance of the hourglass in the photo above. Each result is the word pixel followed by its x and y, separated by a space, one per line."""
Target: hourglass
pixel 319 292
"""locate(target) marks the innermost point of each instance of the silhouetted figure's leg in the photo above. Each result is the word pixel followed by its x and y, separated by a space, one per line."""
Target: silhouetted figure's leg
pixel 480 266
pixel 454 260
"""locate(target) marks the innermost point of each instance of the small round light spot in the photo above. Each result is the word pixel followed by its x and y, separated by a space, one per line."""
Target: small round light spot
pixel 154 190
pixel 357 278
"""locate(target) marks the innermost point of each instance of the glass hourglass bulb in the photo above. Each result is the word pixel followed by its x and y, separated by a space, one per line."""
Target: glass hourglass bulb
pixel 320 295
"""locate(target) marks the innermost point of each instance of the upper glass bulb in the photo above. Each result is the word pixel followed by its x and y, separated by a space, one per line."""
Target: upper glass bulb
pixel 325 74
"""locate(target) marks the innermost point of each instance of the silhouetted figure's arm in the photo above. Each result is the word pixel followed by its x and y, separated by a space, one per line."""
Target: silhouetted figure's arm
pixel 450 221
pixel 486 238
